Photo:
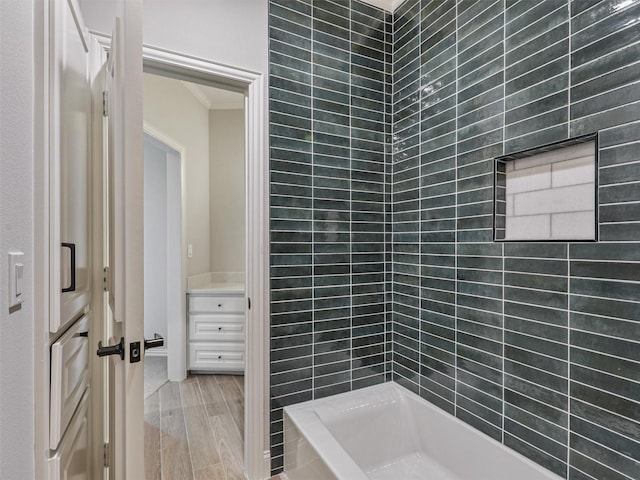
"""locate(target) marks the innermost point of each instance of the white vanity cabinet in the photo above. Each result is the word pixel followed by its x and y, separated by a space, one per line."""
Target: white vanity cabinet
pixel 216 331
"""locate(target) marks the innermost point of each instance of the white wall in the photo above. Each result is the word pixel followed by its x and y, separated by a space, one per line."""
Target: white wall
pixel 16 232
pixel 155 239
pixel 170 108
pixel 231 32
pixel 226 146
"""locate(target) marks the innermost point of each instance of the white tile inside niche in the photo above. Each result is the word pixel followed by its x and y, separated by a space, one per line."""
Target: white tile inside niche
pixel 575 198
pixel 531 227
pixel 573 172
pixel 574 225
pixel 551 195
pixel 529 179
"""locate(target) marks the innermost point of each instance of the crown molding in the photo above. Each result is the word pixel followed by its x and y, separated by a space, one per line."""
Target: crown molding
pixel 201 97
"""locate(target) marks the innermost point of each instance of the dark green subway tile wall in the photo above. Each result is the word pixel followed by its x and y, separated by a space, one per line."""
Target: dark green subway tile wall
pixel 383 131
pixel 533 344
pixel 329 120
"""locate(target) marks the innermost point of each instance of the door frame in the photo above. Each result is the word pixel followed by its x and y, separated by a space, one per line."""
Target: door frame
pixel 164 62
pixel 256 436
pixel 176 332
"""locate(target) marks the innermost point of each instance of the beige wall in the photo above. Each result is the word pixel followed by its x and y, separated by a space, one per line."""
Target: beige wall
pixel 226 146
pixel 173 110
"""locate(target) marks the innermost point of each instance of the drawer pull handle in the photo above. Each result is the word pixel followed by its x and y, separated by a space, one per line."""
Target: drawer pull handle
pixel 219 329
pixel 219 305
pixel 219 357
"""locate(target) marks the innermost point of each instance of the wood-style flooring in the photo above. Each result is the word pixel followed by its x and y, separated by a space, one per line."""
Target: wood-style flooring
pixel 194 429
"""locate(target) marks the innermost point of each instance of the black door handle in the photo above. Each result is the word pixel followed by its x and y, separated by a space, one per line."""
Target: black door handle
pixel 156 341
pixel 72 250
pixel 117 349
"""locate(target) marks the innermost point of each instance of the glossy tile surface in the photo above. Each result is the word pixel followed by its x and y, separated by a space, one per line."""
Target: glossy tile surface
pixel 329 95
pixel 533 344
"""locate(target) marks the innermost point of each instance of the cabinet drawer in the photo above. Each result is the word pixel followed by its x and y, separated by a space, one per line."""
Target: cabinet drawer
pixel 217 328
pixel 71 461
pixel 216 357
pixel 212 303
pixel 69 377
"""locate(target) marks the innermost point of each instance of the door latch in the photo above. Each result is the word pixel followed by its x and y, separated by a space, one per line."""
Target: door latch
pixel 117 349
pixel 134 352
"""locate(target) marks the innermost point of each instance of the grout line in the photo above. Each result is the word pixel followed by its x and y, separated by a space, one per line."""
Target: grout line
pixel 455 371
pixel 421 130
pixel 569 93
pixel 351 197
pixel 504 129
pixel 568 337
pixel 313 209
pixel 600 462
pixel 474 20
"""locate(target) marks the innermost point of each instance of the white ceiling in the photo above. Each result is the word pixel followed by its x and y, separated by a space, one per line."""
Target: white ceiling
pixel 388 5
pixel 215 98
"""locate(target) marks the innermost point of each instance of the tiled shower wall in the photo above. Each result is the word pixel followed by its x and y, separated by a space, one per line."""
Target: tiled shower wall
pixel 329 175
pixel 535 344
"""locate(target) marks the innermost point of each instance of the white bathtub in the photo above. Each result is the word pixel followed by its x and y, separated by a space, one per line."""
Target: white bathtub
pixel 386 432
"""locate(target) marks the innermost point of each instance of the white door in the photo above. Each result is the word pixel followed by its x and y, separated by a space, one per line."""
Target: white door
pixel 124 238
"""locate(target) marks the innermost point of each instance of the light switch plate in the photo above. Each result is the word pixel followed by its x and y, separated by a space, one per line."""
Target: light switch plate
pixel 16 283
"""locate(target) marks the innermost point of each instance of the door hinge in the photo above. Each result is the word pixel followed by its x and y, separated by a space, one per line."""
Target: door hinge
pixel 105 104
pixel 105 279
pixel 106 455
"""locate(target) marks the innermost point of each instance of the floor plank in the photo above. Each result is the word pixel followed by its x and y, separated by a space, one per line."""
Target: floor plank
pixel 210 473
pixel 194 429
pixel 226 437
pixel 214 402
pixel 176 458
pixel 239 379
pixel 152 434
pixel 203 451
pixel 235 401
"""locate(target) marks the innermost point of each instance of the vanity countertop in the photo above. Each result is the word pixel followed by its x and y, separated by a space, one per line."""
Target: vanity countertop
pixel 217 287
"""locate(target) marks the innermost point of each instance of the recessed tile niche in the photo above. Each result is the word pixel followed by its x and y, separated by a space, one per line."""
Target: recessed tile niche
pixel 548 193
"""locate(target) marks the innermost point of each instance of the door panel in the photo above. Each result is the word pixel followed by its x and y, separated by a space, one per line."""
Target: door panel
pixel 124 238
pixel 70 167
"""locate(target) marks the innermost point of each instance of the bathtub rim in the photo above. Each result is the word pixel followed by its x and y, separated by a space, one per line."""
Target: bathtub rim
pixel 339 462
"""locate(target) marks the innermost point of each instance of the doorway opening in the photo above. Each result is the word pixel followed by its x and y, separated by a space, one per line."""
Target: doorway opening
pixel 194 202
pixel 256 420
